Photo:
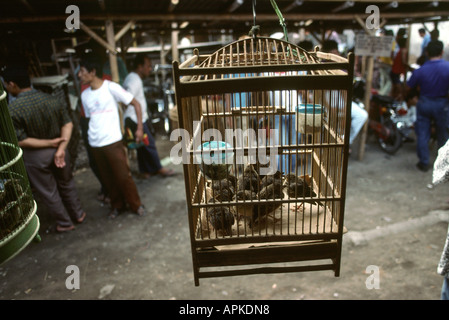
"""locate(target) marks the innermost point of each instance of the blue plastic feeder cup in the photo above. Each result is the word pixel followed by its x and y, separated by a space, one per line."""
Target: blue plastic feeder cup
pixel 308 118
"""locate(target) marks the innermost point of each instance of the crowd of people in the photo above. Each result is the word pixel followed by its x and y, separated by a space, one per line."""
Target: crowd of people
pixel 44 127
pixel 429 83
pixel 429 86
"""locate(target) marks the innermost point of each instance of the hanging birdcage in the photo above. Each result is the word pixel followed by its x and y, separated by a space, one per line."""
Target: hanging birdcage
pixel 19 224
pixel 264 130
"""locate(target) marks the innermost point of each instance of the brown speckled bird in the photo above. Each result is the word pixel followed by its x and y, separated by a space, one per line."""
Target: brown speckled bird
pixel 271 192
pixel 245 204
pixel 221 218
pixel 249 180
pixel 270 179
pixel 297 187
pixel 224 189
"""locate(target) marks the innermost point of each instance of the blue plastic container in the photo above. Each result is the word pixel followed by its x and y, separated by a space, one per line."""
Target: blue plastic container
pixel 308 118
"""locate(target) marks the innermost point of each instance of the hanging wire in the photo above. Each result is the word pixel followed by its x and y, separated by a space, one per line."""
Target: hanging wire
pixel 281 18
pixel 284 27
pixel 255 29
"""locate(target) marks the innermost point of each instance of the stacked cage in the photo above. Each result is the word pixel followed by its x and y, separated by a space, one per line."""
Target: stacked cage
pixel 263 139
pixel 19 223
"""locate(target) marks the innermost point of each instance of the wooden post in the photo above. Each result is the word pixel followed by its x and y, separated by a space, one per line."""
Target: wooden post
pixel 133 36
pixel 369 65
pixel 174 42
pixel 162 53
pixel 55 53
pixel 369 81
pixel 112 56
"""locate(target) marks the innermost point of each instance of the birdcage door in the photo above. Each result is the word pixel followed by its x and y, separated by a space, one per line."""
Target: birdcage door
pixel 263 140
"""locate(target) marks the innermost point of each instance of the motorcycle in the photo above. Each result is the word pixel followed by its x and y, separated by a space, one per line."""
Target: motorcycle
pixel 391 121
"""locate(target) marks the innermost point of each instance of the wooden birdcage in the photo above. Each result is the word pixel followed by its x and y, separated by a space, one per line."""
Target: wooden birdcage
pixel 256 110
pixel 19 224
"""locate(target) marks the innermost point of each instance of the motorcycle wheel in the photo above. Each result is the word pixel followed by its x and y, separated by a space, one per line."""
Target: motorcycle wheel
pixel 393 142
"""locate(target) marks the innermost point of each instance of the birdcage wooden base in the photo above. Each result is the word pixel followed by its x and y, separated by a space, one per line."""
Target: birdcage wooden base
pixel 267 258
pixel 15 242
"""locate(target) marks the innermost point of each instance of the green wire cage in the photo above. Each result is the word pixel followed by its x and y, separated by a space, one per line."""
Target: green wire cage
pixel 19 224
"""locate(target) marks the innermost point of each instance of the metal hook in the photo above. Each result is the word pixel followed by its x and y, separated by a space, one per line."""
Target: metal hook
pixel 255 28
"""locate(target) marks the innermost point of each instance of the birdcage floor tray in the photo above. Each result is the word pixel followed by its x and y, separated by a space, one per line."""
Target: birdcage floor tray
pixel 20 238
pixel 295 220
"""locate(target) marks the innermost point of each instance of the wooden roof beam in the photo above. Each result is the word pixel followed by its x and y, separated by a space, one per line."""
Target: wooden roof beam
pixel 125 29
pixel 222 17
pixel 97 38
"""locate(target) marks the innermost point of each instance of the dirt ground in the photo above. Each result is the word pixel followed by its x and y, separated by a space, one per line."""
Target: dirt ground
pixel 395 223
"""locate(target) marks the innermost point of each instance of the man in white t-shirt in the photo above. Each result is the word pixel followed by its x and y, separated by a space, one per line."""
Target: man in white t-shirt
pixel 147 155
pixel 100 103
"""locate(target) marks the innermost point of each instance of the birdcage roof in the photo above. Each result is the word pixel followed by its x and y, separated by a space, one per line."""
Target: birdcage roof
pixel 250 57
pixel 260 63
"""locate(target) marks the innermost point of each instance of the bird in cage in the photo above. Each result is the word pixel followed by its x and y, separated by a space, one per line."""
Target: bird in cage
pixel 230 181
pixel 222 193
pixel 10 216
pixel 10 211
pixel 224 189
pixel 245 208
pixel 249 180
pixel 270 179
pixel 11 189
pixel 297 187
pixel 272 191
pixel 260 166
pixel 221 218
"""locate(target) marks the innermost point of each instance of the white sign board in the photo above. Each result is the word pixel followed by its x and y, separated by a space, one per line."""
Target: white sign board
pixel 366 45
